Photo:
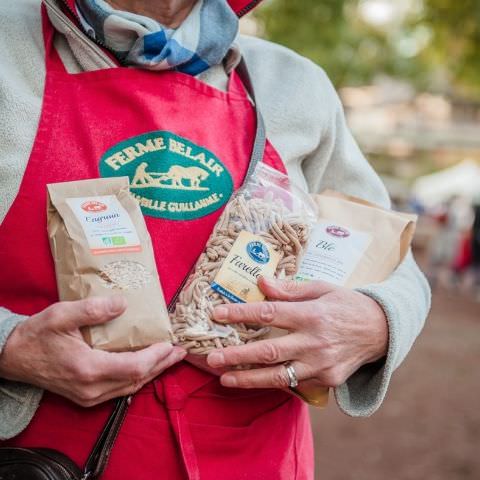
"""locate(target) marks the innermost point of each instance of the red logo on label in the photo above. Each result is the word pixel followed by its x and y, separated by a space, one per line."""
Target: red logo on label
pixel 339 232
pixel 93 206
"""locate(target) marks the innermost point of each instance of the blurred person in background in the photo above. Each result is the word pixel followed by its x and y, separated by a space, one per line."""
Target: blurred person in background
pixel 463 257
pixel 447 253
pixel 476 247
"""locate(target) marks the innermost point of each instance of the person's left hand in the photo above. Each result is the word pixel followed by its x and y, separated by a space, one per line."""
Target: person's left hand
pixel 333 332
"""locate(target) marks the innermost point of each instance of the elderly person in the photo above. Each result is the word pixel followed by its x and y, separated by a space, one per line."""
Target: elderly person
pixel 81 79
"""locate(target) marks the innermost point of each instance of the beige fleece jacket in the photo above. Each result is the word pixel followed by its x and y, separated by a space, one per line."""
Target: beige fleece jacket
pixel 305 123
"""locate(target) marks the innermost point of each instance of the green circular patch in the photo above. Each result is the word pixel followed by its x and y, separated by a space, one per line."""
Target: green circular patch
pixel 170 176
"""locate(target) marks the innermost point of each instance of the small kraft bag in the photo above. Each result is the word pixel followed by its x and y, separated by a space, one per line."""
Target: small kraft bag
pixel 353 243
pixel 101 247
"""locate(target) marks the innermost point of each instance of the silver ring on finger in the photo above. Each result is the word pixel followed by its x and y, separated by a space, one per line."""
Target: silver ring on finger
pixel 291 374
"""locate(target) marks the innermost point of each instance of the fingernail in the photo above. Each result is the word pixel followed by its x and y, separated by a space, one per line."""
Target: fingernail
pixel 220 313
pixel 216 359
pixel 228 380
pixel 116 303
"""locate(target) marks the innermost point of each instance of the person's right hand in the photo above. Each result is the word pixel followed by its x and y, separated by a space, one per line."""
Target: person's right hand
pixel 48 350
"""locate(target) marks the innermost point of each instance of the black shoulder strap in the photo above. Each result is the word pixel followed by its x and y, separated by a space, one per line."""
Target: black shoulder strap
pixel 98 459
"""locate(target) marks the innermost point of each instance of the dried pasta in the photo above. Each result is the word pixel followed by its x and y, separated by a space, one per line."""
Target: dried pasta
pixel 280 223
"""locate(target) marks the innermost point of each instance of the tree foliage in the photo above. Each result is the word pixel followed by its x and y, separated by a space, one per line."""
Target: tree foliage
pixel 435 45
pixel 455 44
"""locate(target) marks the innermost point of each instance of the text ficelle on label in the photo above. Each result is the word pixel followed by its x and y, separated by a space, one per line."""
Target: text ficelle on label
pixel 249 258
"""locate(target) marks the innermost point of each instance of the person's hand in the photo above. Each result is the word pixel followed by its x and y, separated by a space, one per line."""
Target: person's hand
pixel 48 350
pixel 333 332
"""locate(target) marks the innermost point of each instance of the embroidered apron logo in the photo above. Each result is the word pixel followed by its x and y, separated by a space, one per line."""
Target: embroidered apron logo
pixel 170 176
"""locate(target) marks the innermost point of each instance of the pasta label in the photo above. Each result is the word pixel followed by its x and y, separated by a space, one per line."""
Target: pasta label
pixel 249 258
pixel 170 176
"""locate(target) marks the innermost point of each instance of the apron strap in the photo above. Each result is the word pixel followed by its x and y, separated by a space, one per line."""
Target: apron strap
pixel 174 397
pixel 179 424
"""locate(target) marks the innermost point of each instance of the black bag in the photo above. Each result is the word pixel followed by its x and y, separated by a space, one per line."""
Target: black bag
pixel 47 464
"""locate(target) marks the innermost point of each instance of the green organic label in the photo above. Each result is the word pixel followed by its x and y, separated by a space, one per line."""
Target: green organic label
pixel 119 241
pixel 170 176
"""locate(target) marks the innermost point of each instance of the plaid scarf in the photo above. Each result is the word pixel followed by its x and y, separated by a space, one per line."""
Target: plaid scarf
pixel 201 41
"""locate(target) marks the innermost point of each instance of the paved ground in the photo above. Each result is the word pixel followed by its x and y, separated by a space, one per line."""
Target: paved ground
pixel 429 426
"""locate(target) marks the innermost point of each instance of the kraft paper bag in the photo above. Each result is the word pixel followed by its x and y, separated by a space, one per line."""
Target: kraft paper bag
pixel 101 247
pixel 354 243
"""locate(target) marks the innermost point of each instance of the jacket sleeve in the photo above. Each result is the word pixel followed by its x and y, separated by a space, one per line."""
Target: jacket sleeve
pixel 18 402
pixel 21 85
pixel 405 296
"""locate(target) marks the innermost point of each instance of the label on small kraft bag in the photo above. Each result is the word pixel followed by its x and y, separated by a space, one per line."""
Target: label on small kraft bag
pixel 249 258
pixel 106 224
pixel 333 253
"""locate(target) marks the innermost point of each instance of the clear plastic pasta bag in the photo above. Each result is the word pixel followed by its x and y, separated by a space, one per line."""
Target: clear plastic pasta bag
pixel 263 230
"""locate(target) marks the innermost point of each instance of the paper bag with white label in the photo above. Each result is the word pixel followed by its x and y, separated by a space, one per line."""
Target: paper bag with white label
pixel 354 243
pixel 101 247
pixel 262 231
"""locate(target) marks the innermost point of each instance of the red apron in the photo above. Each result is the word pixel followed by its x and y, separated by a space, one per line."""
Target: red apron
pixel 184 424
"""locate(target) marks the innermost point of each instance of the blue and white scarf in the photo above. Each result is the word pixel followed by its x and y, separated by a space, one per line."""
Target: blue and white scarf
pixel 201 41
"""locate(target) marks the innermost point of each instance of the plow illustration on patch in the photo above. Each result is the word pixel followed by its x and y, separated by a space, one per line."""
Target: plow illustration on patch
pixel 176 178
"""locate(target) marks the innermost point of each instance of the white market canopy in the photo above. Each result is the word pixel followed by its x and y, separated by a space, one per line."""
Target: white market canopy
pixel 462 179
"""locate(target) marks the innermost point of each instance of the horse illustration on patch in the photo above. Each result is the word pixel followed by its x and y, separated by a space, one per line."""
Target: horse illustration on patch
pixel 174 178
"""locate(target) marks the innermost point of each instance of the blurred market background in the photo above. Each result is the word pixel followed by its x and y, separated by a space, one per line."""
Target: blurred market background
pixel 408 72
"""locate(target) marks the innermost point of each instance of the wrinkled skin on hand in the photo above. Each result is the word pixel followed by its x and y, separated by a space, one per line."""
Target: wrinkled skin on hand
pixel 333 331
pixel 48 350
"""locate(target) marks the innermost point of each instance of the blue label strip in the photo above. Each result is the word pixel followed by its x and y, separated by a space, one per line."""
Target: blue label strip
pixel 219 289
